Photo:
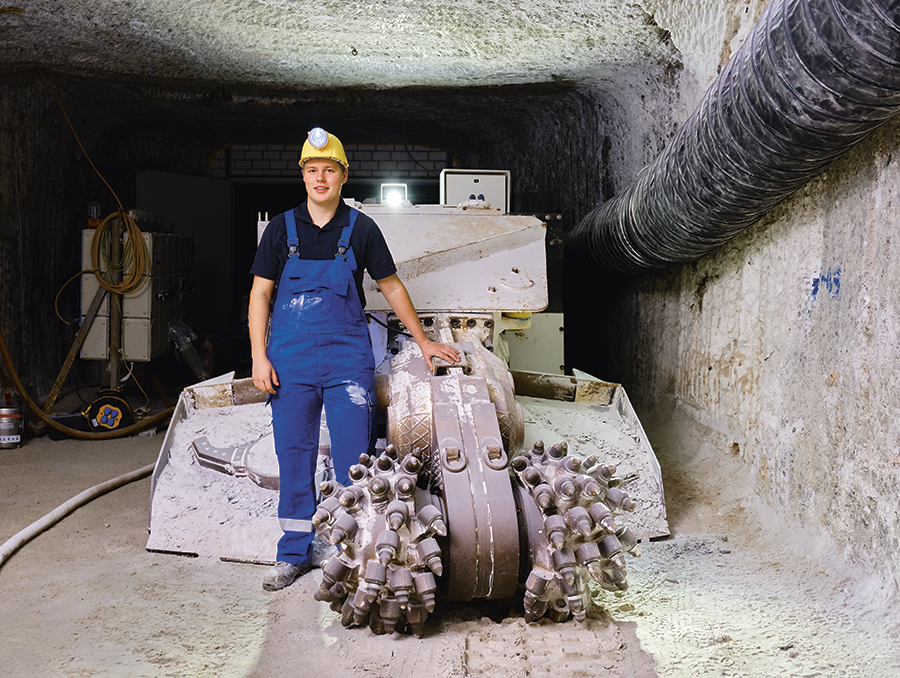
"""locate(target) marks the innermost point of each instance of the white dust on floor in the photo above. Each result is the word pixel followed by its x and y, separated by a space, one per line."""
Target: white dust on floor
pixel 698 605
pixel 704 605
pixel 734 593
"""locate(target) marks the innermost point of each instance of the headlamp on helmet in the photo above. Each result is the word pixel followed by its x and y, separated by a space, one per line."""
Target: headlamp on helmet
pixel 320 145
pixel 318 137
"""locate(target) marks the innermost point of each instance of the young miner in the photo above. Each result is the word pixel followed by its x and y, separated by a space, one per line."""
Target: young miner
pixel 319 350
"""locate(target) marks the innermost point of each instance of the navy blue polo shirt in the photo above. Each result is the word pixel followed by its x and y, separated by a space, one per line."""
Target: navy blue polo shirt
pixel 368 243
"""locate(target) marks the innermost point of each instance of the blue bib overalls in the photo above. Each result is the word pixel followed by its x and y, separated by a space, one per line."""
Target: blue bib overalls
pixel 320 348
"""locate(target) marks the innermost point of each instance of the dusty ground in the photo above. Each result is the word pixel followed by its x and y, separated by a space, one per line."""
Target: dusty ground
pixel 735 592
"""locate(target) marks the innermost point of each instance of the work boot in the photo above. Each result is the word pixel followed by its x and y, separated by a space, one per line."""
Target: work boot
pixel 283 575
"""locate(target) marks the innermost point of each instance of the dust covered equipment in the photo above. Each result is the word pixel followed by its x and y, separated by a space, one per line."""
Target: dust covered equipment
pixel 487 484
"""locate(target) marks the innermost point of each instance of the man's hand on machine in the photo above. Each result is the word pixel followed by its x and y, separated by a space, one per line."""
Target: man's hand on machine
pixel 432 349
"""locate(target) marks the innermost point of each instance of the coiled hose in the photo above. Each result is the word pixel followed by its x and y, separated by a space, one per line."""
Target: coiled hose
pixel 134 264
pixel 813 79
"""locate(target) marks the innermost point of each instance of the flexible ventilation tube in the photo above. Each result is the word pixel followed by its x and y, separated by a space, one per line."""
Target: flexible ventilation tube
pixel 813 78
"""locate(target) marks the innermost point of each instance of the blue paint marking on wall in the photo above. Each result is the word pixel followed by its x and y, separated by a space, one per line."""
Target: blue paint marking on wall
pixel 830 281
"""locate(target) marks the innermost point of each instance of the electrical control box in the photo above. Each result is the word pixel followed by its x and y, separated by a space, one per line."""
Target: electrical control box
pixel 146 313
pixel 491 186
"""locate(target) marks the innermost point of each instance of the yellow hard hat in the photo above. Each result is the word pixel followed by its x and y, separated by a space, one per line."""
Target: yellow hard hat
pixel 320 144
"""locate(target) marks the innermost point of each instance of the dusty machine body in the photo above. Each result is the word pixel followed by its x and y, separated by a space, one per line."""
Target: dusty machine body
pixel 486 483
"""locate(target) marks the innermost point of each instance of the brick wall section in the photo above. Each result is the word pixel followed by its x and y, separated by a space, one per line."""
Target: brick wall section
pixel 366 161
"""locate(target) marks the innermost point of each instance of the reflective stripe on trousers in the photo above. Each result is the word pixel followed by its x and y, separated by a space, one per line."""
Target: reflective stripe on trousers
pixel 291 525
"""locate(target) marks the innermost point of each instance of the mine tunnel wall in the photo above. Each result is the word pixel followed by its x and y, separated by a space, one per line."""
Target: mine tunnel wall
pixel 781 345
pixel 785 343
pixel 34 256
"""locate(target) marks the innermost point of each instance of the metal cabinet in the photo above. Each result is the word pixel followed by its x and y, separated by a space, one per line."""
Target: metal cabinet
pixel 146 313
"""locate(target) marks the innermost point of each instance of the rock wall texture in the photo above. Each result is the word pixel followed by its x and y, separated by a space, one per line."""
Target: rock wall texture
pixel 36 159
pixel 785 341
pixel 706 33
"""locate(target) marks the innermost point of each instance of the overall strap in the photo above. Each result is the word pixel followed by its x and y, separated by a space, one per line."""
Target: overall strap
pixel 344 250
pixel 292 241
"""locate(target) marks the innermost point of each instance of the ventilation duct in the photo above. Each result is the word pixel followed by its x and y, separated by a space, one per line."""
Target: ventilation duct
pixel 813 79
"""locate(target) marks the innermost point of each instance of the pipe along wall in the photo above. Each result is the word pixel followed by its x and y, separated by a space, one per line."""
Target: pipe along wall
pixel 813 79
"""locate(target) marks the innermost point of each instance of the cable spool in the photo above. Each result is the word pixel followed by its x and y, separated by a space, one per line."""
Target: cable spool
pixel 109 412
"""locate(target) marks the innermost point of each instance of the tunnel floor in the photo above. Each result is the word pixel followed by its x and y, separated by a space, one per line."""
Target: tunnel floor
pixel 732 593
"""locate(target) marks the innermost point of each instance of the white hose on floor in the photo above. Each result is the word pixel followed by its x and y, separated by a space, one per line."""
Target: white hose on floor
pixel 14 543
